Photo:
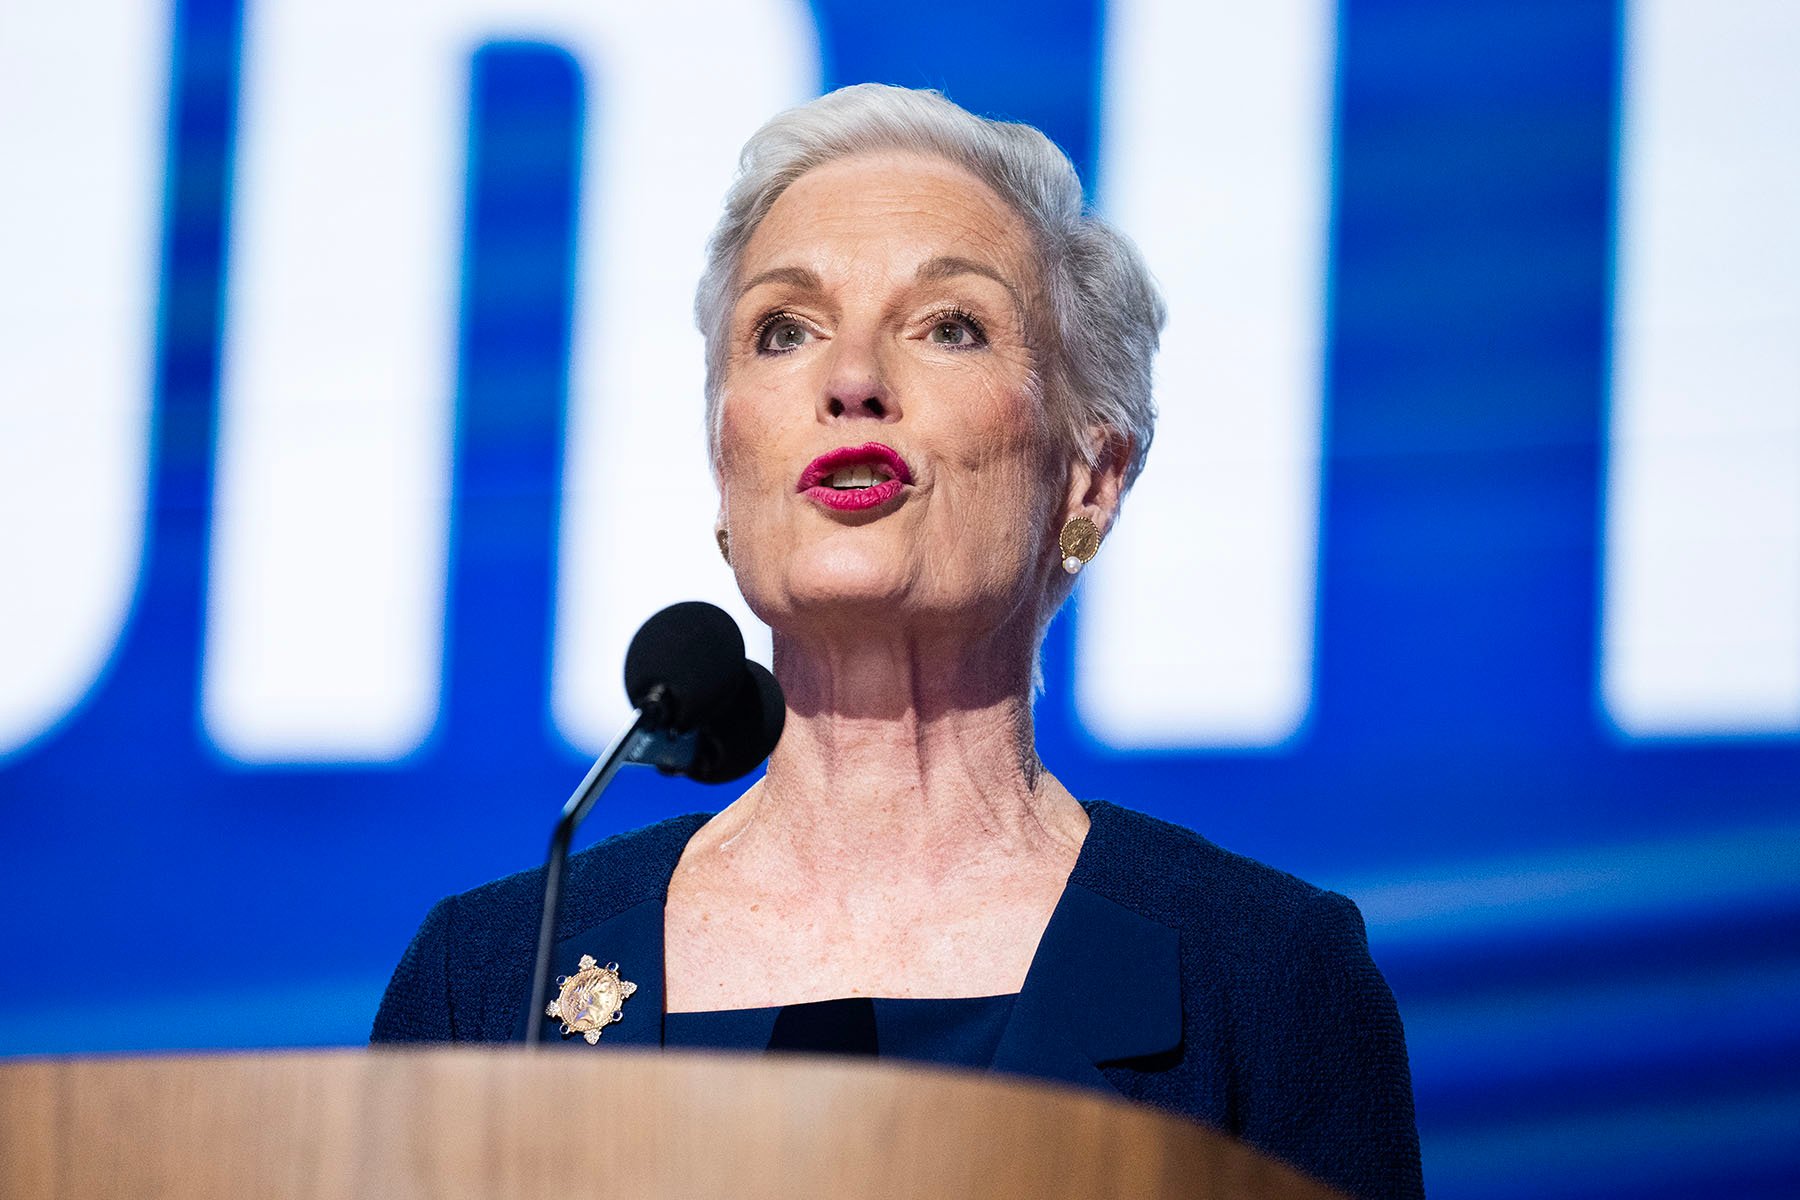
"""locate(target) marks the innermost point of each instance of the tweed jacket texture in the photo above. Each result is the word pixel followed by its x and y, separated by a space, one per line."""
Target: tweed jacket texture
pixel 1228 992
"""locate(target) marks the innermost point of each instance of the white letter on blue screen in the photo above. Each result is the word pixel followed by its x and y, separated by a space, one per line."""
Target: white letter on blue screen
pixel 1196 621
pixel 83 104
pixel 1701 617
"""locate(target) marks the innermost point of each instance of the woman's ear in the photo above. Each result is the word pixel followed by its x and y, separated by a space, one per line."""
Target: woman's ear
pixel 1097 481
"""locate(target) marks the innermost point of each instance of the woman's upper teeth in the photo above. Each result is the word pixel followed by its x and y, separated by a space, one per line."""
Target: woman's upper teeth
pixel 860 476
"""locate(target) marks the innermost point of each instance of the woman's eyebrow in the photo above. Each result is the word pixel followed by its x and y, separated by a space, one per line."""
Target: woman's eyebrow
pixel 948 266
pixel 799 277
pixel 932 270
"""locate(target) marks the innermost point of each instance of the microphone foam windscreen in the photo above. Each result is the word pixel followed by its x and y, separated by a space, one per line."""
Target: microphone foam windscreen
pixel 694 650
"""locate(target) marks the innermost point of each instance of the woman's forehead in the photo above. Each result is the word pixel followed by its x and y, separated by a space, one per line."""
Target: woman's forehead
pixel 894 212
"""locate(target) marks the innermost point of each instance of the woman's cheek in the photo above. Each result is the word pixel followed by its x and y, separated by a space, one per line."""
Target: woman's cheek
pixel 748 458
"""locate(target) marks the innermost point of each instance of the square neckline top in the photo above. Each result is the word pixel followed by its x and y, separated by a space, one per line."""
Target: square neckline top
pixel 961 1031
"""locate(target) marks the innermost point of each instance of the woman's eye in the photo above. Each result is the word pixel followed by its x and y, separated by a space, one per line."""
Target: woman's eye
pixel 956 330
pixel 781 335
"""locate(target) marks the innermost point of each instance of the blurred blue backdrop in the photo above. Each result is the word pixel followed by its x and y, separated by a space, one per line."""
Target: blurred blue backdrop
pixel 1585 894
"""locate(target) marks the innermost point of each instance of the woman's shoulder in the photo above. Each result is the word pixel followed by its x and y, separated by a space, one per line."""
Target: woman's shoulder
pixel 470 961
pixel 1173 875
pixel 1279 971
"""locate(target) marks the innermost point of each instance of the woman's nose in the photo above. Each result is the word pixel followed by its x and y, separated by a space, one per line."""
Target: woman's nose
pixel 857 386
pixel 871 405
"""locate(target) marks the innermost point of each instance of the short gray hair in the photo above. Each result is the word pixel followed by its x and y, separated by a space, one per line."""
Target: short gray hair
pixel 1105 313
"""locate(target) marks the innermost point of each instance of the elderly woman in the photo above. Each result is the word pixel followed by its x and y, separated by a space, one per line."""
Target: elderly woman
pixel 929 389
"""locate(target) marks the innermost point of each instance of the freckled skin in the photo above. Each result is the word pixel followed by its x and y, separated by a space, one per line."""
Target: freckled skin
pixel 905 841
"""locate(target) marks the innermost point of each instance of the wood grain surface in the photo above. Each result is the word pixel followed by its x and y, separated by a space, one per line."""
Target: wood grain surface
pixel 510 1125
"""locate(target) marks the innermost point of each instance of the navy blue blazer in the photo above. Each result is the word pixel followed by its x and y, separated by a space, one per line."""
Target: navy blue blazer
pixel 1211 985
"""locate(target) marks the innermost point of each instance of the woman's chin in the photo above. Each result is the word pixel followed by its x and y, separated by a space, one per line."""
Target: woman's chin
pixel 811 588
pixel 860 568
pixel 847 594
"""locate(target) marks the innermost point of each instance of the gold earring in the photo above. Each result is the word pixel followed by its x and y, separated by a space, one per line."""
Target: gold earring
pixel 723 537
pixel 1079 542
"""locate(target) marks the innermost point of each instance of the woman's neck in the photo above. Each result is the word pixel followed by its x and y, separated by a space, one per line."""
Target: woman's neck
pixel 907 753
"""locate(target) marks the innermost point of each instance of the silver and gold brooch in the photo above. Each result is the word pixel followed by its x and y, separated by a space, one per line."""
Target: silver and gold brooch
pixel 590 999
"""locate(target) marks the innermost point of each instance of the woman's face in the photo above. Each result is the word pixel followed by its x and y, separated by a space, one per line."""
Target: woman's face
pixel 883 456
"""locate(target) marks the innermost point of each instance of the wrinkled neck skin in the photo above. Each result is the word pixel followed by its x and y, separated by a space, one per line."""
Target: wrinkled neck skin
pixel 906 755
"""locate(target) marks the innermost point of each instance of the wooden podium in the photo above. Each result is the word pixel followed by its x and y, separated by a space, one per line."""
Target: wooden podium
pixel 504 1124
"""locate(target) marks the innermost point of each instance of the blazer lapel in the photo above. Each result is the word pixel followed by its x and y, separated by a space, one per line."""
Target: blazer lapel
pixel 1104 986
pixel 634 940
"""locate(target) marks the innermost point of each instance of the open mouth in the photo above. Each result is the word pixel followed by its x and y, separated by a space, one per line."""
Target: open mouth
pixel 855 477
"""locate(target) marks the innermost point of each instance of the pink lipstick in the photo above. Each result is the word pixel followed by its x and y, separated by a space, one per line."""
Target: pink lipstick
pixel 853 478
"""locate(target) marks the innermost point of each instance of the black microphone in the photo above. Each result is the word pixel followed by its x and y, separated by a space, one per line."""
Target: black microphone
pixel 684 662
pixel 703 710
pixel 718 724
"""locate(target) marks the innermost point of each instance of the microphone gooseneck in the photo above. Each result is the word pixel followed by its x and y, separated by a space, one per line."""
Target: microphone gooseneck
pixel 703 710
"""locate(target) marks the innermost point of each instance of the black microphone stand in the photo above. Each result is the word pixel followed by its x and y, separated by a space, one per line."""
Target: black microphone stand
pixel 643 741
